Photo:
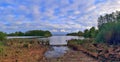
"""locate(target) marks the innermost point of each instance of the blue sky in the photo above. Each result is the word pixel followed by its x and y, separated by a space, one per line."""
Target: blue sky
pixel 57 16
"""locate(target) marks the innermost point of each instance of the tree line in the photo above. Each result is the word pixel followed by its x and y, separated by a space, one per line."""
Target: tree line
pixel 88 33
pixel 31 33
pixel 108 29
pixel 28 33
pixel 107 18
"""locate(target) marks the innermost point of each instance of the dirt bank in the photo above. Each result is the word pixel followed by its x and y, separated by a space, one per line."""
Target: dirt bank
pixel 18 50
pixel 71 56
pixel 101 52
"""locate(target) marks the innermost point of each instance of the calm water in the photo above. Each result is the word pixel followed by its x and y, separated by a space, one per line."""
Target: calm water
pixel 57 51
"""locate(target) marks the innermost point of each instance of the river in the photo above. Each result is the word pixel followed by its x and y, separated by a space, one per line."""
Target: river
pixel 57 44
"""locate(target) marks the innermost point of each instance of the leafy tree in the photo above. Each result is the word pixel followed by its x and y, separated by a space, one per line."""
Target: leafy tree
pixel 47 34
pixel 109 33
pixel 38 33
pixel 16 34
pixel 113 17
pixel 72 34
pixel 80 33
pixel 2 36
pixel 93 32
pixel 86 33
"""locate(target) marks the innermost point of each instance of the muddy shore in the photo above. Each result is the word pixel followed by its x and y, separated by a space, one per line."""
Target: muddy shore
pixel 22 50
pixel 71 56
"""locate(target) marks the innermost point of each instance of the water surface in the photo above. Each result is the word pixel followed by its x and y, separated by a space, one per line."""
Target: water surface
pixel 57 51
pixel 56 44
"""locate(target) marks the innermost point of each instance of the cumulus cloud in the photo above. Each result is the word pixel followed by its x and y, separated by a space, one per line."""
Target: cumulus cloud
pixel 54 15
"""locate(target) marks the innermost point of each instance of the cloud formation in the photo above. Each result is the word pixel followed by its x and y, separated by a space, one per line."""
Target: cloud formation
pixel 54 15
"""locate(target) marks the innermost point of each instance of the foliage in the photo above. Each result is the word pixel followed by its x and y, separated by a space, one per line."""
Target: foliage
pixel 2 36
pixel 113 17
pixel 109 28
pixel 72 34
pixel 16 34
pixel 81 42
pixel 109 33
pixel 38 33
pixel 32 33
pixel 1 43
pixel 86 33
pixel 92 33
pixel 80 33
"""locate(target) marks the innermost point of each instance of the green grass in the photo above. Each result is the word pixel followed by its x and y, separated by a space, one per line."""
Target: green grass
pixel 1 43
pixel 81 42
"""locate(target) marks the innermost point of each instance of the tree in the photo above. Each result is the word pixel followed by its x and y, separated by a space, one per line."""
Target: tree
pixel 47 34
pixel 16 34
pixel 86 33
pixel 38 33
pixel 93 32
pixel 109 33
pixel 109 28
pixel 2 36
pixel 113 17
pixel 72 34
pixel 80 33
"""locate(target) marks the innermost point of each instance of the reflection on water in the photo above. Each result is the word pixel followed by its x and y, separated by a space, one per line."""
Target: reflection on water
pixel 57 51
pixel 61 40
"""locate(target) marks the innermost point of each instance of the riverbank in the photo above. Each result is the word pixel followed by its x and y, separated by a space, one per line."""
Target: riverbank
pixel 101 52
pixel 22 50
pixel 71 56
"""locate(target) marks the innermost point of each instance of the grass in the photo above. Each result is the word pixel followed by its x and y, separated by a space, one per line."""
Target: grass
pixel 1 43
pixel 85 43
pixel 23 50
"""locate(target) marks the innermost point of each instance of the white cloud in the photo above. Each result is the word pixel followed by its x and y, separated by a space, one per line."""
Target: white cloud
pixel 26 14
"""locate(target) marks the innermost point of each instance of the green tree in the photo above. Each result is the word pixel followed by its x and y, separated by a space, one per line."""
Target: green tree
pixel 93 32
pixel 47 34
pixel 2 36
pixel 80 33
pixel 86 33
pixel 109 33
pixel 38 33
pixel 16 34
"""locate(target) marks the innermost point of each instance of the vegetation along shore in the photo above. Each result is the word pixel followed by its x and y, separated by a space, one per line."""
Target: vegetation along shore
pixel 100 45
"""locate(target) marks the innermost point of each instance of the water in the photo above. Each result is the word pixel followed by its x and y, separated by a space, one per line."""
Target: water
pixel 57 51
pixel 59 41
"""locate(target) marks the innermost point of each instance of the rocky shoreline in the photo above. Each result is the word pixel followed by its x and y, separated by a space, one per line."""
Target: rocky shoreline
pixel 100 52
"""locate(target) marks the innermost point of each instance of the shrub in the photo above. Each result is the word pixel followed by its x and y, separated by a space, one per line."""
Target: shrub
pixel 109 33
pixel 2 36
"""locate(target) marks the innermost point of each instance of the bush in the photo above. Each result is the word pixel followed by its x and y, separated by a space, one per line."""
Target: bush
pixel 109 33
pixel 2 36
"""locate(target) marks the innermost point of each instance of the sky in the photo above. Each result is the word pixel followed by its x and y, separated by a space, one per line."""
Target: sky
pixel 57 16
